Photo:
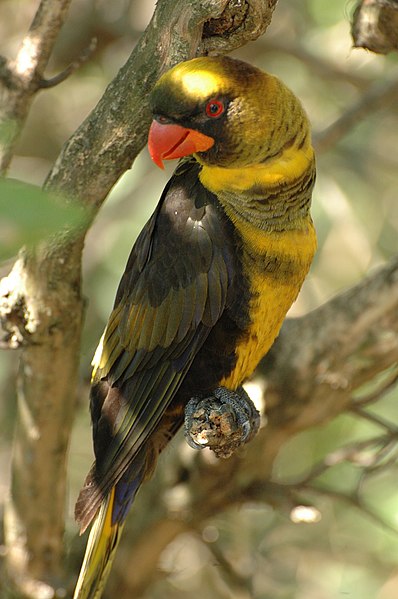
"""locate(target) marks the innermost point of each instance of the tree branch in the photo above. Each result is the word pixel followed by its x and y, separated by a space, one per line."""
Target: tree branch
pixel 375 25
pixel 20 79
pixel 42 295
pixel 71 68
pixel 380 95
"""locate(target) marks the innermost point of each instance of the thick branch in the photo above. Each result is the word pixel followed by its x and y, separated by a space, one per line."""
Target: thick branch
pixel 318 361
pixel 240 22
pixel 34 518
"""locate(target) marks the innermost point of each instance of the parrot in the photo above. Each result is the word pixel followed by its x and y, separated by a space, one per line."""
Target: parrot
pixel 208 282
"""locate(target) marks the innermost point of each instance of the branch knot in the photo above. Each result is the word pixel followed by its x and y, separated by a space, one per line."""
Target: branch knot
pixel 13 313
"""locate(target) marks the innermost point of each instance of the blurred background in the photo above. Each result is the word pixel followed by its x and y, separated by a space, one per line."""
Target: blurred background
pixel 336 549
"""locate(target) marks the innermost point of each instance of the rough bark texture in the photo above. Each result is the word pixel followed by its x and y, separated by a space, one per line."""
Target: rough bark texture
pixel 45 286
pixel 41 301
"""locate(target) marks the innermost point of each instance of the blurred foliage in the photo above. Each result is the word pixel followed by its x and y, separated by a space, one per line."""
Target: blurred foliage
pixel 257 551
pixel 30 215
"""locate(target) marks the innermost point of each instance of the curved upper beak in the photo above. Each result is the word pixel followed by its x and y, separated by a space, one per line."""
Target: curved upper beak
pixel 169 141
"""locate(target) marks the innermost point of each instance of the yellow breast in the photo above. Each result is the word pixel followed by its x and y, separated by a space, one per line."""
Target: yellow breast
pixel 276 264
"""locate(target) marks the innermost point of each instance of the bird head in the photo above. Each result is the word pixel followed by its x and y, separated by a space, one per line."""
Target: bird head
pixel 224 111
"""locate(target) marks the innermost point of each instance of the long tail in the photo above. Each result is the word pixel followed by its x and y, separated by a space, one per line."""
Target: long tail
pixel 104 538
pixel 111 512
pixel 100 551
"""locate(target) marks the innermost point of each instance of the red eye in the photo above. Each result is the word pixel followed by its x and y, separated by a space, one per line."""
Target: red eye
pixel 214 108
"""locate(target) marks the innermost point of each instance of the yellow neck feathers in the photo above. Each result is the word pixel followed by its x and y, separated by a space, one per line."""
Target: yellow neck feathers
pixel 278 171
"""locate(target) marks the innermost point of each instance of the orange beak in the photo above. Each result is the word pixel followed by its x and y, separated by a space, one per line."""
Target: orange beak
pixel 169 141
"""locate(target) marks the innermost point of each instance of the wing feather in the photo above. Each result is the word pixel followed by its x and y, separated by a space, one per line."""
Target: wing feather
pixel 172 293
pixel 188 312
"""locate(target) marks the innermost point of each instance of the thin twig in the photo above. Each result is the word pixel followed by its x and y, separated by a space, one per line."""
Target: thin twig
pixel 355 501
pixel 76 64
pixel 379 95
pixel 385 458
pixel 386 386
pixel 243 583
pixel 375 419
pixel 322 67
pixel 346 453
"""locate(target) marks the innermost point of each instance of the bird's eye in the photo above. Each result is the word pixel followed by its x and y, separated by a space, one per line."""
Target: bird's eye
pixel 163 120
pixel 214 108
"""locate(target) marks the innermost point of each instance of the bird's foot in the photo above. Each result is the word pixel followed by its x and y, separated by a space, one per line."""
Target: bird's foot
pixel 223 421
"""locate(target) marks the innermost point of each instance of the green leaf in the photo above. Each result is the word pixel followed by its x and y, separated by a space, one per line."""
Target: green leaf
pixel 29 215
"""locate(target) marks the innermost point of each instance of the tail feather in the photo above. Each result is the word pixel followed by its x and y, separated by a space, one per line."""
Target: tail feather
pixel 100 551
pixel 105 535
pixel 89 501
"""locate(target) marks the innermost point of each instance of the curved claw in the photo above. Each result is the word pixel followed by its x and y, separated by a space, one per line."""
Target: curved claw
pixel 193 443
pixel 191 412
pixel 246 429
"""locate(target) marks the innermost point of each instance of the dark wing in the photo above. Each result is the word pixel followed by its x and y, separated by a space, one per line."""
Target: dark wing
pixel 172 293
